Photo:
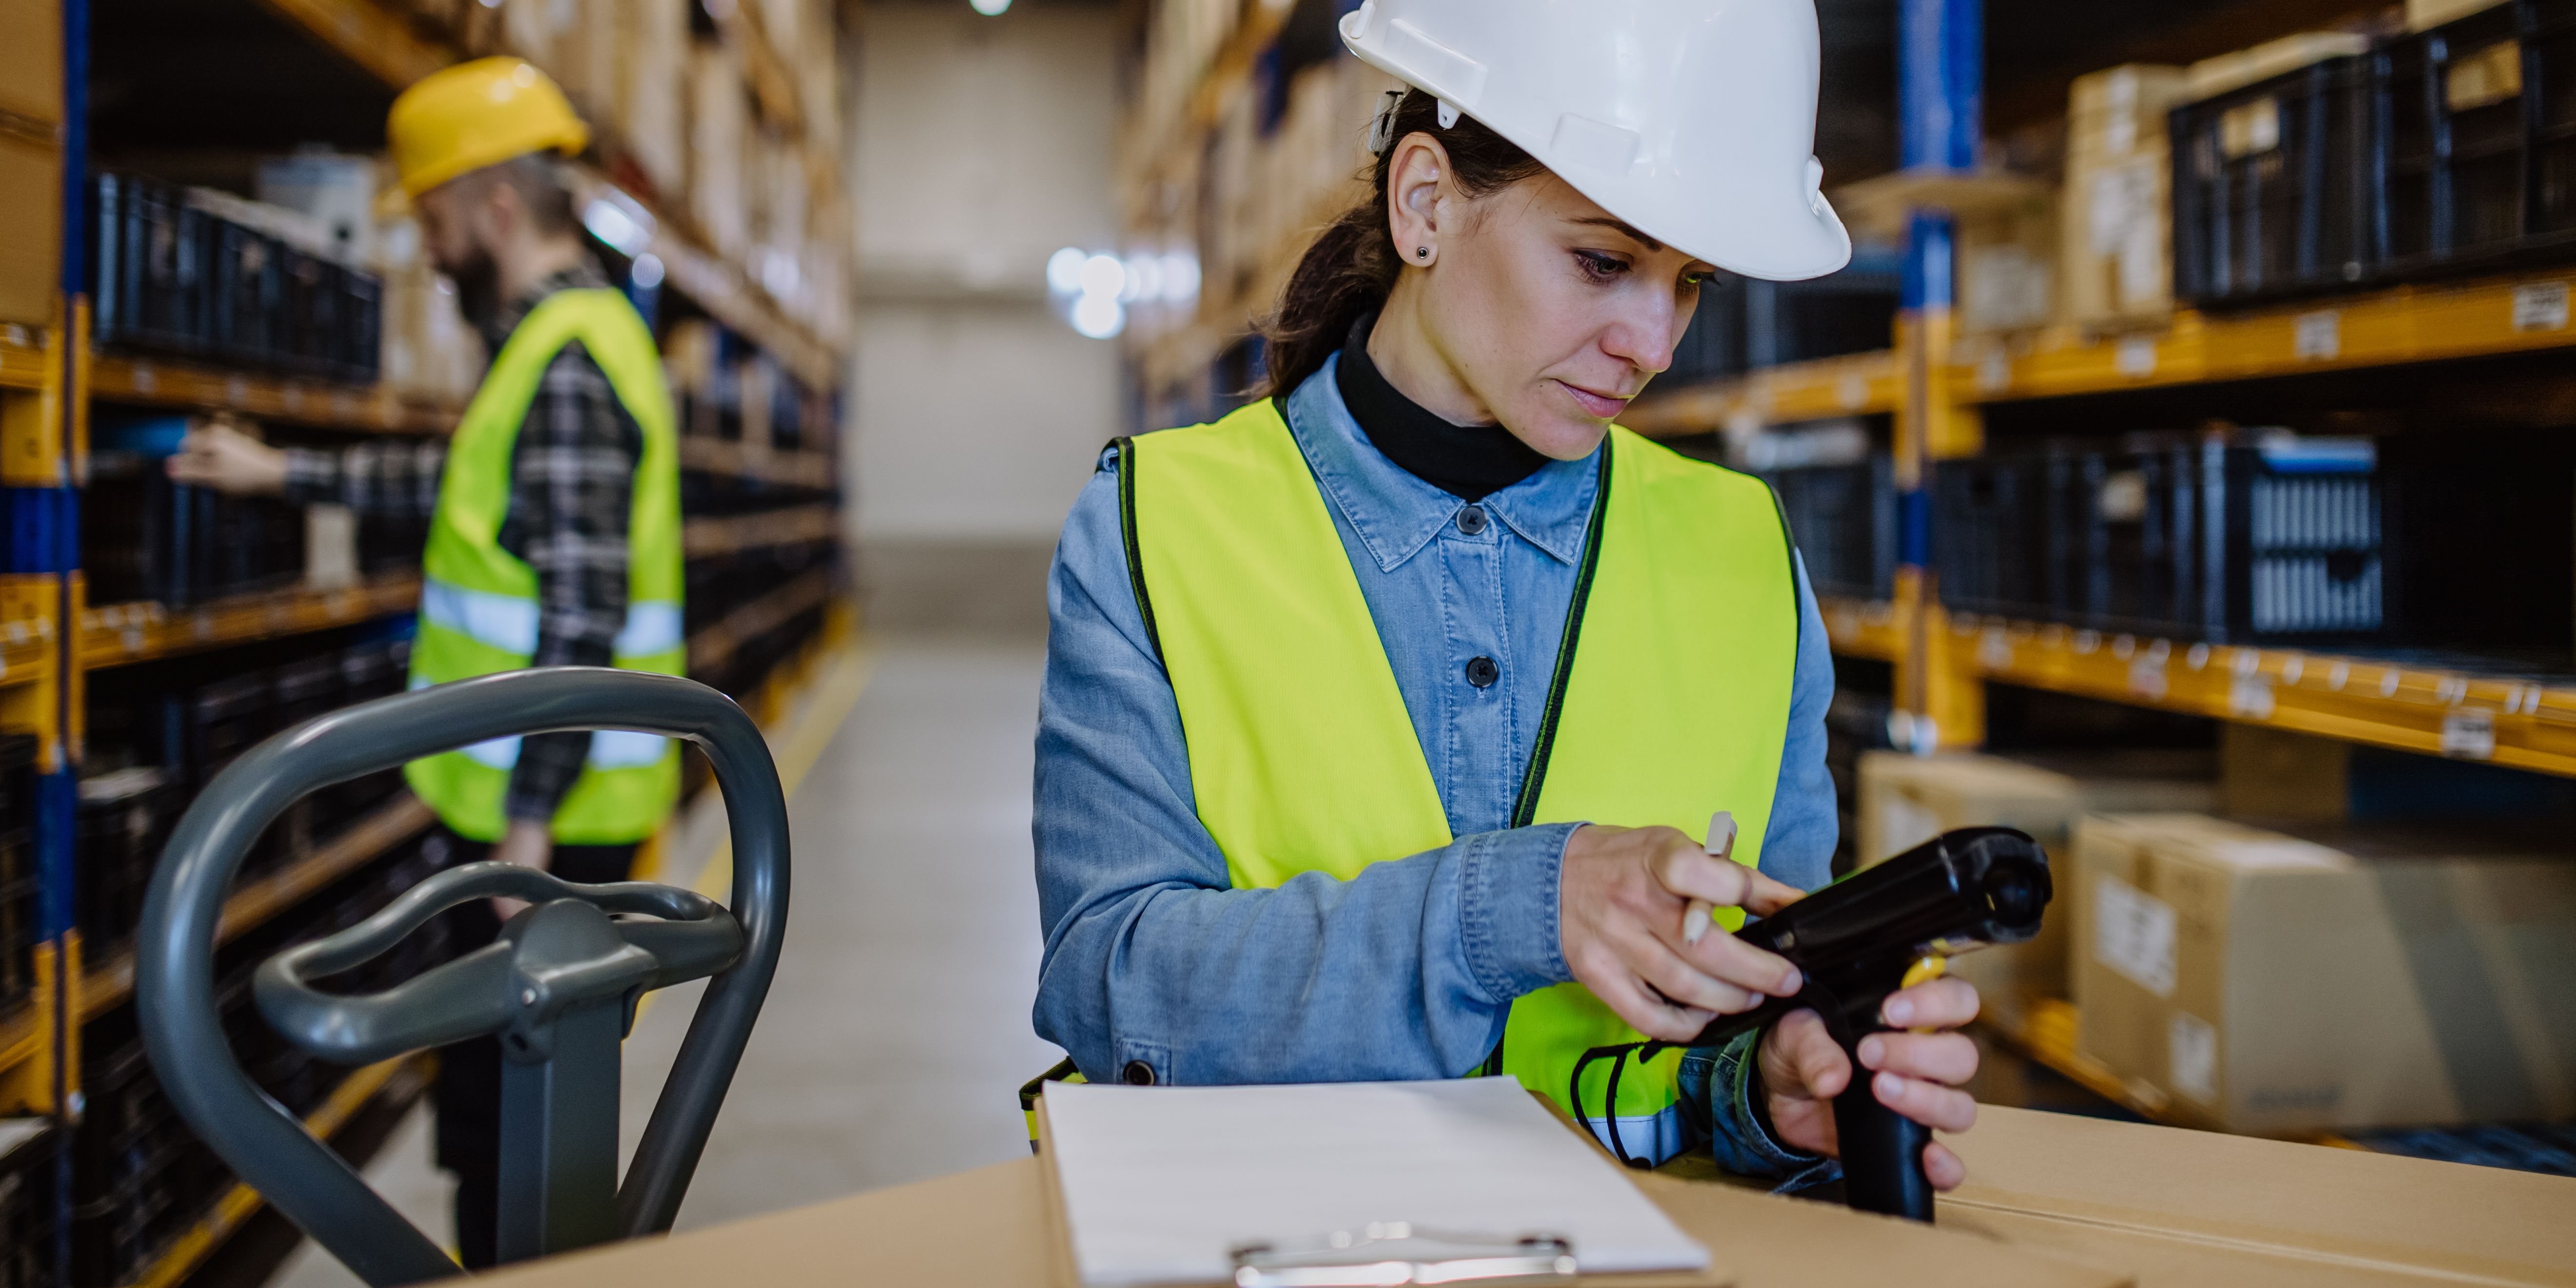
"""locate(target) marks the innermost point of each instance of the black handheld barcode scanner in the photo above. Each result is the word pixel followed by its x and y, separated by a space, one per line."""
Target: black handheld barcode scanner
pixel 1883 928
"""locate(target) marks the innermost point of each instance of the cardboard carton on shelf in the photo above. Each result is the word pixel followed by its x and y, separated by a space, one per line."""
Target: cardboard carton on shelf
pixel 2421 14
pixel 2116 248
pixel 31 61
pixel 652 94
pixel 1906 800
pixel 31 208
pixel 719 130
pixel 2335 980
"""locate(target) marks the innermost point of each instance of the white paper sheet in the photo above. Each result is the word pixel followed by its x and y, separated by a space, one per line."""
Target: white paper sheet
pixel 1160 1183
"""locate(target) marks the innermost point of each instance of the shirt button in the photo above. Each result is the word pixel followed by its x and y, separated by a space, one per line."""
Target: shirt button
pixel 1471 520
pixel 1482 672
pixel 1137 1074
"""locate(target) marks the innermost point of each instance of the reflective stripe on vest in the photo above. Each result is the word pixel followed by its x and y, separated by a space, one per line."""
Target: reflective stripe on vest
pixel 479 611
pixel 1669 700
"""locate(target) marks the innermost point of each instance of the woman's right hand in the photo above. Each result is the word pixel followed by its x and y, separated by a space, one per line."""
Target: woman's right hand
pixel 1621 896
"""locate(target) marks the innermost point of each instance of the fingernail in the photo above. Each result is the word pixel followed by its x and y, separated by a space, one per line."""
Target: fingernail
pixel 1888 1086
pixel 1870 1050
pixel 1899 1010
pixel 1792 982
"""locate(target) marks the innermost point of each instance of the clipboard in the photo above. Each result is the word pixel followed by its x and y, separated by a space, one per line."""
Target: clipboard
pixel 1389 1253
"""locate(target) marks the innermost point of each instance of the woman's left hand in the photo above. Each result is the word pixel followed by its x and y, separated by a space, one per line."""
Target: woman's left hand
pixel 1916 1074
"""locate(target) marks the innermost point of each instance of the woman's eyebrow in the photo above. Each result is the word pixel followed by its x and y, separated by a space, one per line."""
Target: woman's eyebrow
pixel 1623 228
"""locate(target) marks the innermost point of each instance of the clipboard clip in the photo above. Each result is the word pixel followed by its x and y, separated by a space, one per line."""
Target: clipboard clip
pixel 1389 1254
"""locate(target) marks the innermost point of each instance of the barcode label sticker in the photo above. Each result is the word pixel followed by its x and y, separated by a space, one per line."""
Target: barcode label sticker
pixel 2318 336
pixel 2540 306
pixel 2469 735
pixel 2191 1047
pixel 2134 934
pixel 2136 357
pixel 2147 677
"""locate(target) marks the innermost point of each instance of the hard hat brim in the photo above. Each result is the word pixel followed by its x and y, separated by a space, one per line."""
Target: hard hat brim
pixel 1778 227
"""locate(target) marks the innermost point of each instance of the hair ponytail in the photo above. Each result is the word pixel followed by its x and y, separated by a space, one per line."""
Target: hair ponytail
pixel 1353 265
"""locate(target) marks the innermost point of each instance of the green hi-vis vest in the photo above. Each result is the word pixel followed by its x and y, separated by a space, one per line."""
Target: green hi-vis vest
pixel 1675 704
pixel 478 602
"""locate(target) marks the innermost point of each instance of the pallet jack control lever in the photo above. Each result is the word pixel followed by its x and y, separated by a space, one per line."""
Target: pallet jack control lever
pixel 559 988
pixel 1886 927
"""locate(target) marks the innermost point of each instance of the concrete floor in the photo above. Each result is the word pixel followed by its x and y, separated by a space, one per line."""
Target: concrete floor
pixel 898 1030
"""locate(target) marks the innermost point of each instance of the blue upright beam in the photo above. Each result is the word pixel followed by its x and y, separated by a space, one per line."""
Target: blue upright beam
pixel 58 794
pixel 1940 78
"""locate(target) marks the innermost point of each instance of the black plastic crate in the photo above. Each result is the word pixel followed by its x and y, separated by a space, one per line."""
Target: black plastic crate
pixel 125 815
pixel 147 268
pixel 2478 153
pixel 27 1218
pixel 376 669
pixel 2273 187
pixel 1843 518
pixel 2197 540
pixel 1990 535
pixel 245 294
pixel 1744 324
pixel 21 914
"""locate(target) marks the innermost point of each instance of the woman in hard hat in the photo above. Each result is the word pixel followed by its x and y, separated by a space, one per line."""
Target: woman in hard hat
pixel 1383 718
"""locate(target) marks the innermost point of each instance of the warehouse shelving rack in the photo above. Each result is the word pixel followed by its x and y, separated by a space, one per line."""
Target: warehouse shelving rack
pixel 2524 722
pixel 51 637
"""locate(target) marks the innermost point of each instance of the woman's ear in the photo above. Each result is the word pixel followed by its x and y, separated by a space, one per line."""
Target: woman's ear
pixel 1416 184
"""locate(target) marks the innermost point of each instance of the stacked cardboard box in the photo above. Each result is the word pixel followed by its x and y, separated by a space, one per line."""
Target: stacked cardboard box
pixel 2116 254
pixel 1906 800
pixel 720 133
pixel 31 165
pixel 2273 984
pixel 657 56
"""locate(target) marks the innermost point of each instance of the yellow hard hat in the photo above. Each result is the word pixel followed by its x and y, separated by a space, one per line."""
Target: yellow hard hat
pixel 460 119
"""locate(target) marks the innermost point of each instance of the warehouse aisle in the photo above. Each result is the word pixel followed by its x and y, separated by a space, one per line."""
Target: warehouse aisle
pixel 898 1029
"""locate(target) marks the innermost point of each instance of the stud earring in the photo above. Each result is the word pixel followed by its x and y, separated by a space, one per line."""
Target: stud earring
pixel 1422 252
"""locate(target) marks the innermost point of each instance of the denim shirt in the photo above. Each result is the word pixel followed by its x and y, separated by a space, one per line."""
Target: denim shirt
pixel 1407 970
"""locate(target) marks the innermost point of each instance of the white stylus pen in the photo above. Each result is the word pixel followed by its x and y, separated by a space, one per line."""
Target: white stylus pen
pixel 1721 846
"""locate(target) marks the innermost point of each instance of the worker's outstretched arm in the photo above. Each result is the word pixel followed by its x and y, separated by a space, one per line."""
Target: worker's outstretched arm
pixel 1402 972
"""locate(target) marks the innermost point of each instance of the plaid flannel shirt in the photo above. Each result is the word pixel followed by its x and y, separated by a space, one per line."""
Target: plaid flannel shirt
pixel 572 476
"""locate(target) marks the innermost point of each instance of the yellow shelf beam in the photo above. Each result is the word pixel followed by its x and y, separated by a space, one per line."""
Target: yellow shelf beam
pixel 400 1079
pixel 2405 324
pixel 718 456
pixel 110 983
pixel 1856 384
pixel 711 647
pixel 702 538
pixel 380 43
pixel 25 360
pixel 2519 721
pixel 196 386
pixel 115 634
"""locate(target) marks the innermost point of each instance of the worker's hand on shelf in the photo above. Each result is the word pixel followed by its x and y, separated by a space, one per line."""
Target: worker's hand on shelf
pixel 528 844
pixel 217 454
pixel 1916 1071
pixel 1621 896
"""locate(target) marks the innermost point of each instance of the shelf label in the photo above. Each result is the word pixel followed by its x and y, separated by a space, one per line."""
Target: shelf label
pixel 1994 650
pixel 2136 357
pixel 2540 306
pixel 2134 934
pixel 2469 734
pixel 2192 1047
pixel 1994 372
pixel 2319 336
pixel 2147 677
pixel 2250 696
pixel 1854 392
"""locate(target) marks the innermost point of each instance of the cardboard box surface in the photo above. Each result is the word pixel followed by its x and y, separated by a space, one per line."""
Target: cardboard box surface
pixel 2265 983
pixel 1906 800
pixel 31 208
pixel 31 60
pixel 2179 1209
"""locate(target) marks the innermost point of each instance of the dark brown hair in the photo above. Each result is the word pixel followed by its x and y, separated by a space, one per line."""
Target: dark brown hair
pixel 1352 266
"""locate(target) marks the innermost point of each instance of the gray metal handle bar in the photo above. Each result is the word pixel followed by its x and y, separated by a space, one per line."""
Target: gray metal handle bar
pixel 174 977
pixel 487 991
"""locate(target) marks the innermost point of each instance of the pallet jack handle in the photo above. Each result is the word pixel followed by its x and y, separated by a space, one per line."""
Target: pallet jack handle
pixel 559 987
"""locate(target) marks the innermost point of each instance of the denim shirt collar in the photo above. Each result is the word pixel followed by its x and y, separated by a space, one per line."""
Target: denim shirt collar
pixel 1396 514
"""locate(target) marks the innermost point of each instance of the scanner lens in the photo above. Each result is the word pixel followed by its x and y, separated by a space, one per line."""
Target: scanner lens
pixel 2010 896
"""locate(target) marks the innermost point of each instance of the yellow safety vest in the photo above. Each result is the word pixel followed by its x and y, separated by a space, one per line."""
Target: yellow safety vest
pixel 1675 704
pixel 479 609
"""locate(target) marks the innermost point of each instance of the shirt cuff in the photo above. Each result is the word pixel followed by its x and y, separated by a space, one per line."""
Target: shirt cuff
pixel 1722 1078
pixel 312 478
pixel 1507 905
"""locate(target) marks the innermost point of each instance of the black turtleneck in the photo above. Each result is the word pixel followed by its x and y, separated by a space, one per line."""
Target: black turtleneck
pixel 1465 461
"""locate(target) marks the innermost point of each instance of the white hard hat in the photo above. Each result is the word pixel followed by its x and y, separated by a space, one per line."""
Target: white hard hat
pixel 1694 120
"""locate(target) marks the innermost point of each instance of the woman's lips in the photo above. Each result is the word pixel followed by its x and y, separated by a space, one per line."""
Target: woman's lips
pixel 1601 406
